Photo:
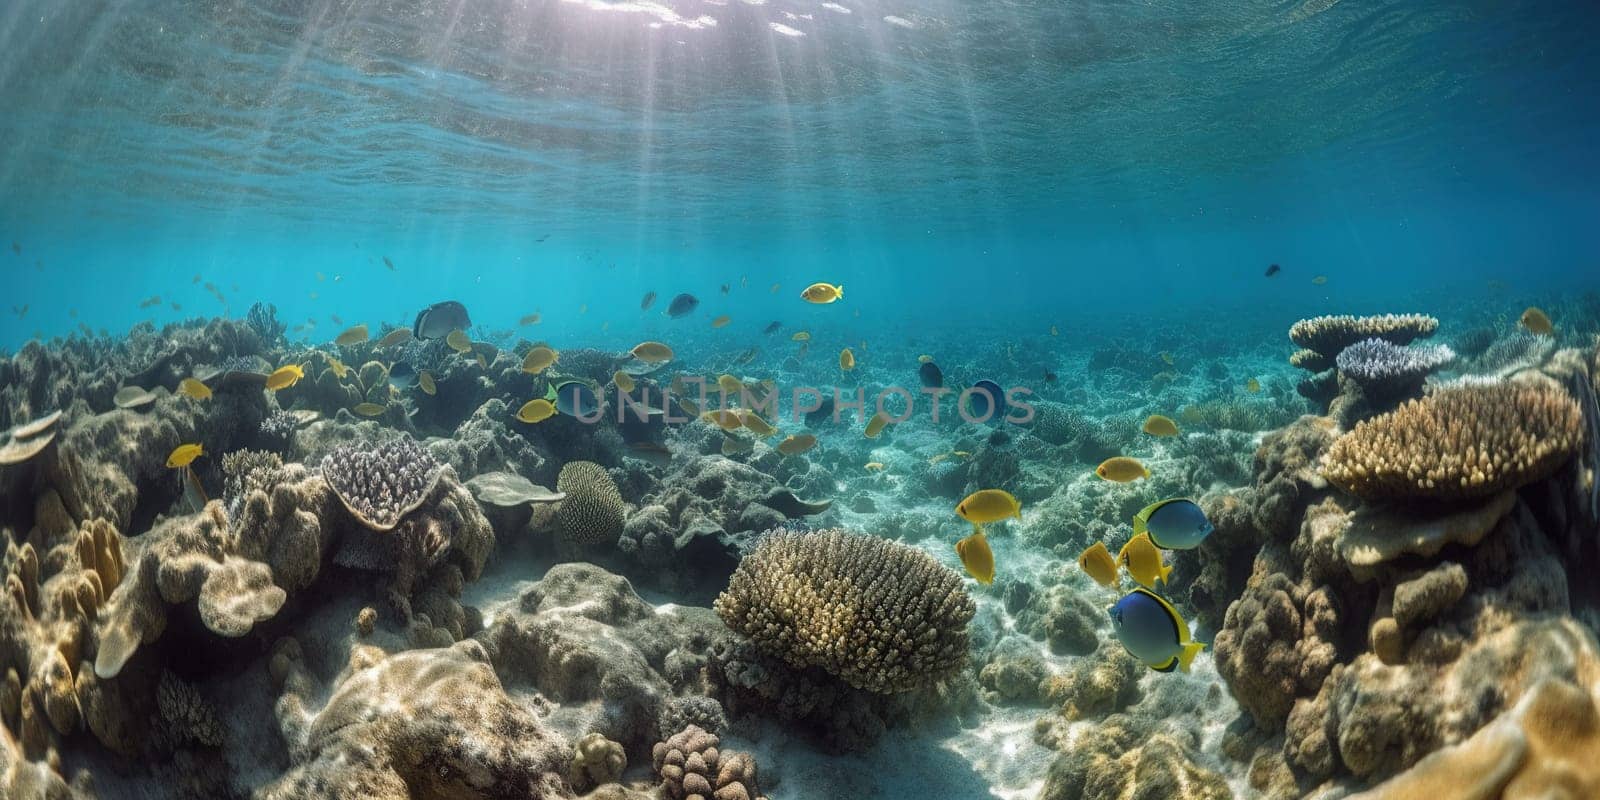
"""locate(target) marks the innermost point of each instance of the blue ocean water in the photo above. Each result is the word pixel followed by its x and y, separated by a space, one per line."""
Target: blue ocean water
pixel 1005 166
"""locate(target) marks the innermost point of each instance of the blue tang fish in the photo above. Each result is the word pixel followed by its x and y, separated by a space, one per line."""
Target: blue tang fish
pixel 1175 524
pixel 986 402
pixel 573 398
pixel 1153 631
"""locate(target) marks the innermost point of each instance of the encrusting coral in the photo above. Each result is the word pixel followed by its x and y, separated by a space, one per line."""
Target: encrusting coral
pixel 1458 443
pixel 876 614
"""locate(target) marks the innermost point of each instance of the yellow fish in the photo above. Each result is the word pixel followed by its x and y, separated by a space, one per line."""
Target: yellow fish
pixel 755 424
pixel 1319 280
pixel 458 342
pixel 847 360
pixel 1053 331
pixel 876 425
pixel 623 381
pixel 1142 559
pixel 368 409
pixel 1122 469
pixel 1166 358
pixel 923 359
pixel 652 352
pixel 536 411
pixel 1537 322
pixel 184 455
pixel 875 466
pixel 483 363
pixel 1252 386
pixel 192 387
pixel 539 359
pixel 795 445
pixel 977 557
pixel 822 293
pixel 531 319
pixel 284 377
pixel 724 419
pixel 802 336
pixel 355 335
pixel 721 321
pixel 729 385
pixel 989 505
pixel 1096 561
pixel 338 367
pixel 960 453
pixel 774 289
pixel 732 446
pixel 1158 425
pixel 425 380
pixel 394 337
pixel 320 278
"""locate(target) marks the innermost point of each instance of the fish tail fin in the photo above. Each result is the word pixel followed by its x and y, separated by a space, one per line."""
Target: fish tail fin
pixel 1186 657
pixel 839 290
pixel 1166 574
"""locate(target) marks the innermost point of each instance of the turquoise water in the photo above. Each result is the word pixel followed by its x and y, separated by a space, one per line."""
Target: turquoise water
pixel 1005 165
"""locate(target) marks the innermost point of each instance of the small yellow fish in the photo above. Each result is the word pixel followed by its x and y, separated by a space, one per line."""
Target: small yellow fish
pixel 623 381
pixel 724 419
pixel 320 278
pixel 960 454
pixel 652 352
pixel 355 335
pixel 531 319
pixel 1142 559
pixel 340 370
pixel 802 336
pixel 874 466
pixel 1536 322
pixel 989 505
pixel 483 363
pixel 313 295
pixel 923 359
pixel 847 360
pixel 1166 358
pixel 977 557
pixel 1122 469
pixel 755 424
pixel 335 319
pixel 539 359
pixel 774 289
pixel 184 455
pixel 1096 561
pixel 458 342
pixel 876 425
pixel 733 445
pixel 729 385
pixel 536 411
pixel 938 459
pixel 795 445
pixel 284 377
pixel 605 326
pixel 192 387
pixel 1319 280
pixel 394 337
pixel 1158 425
pixel 1252 386
pixel 1053 331
pixel 822 293
pixel 368 409
pixel 721 321
pixel 425 380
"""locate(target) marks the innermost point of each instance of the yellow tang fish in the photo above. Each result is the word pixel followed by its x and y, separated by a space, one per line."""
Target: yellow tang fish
pixel 184 455
pixel 1252 386
pixel 876 425
pixel 726 420
pixel 795 445
pixel 1166 358
pixel 1142 559
pixel 1122 469
pixel 1158 425
pixel 1537 322
pixel 368 409
pixel 923 359
pixel 721 321
pixel 1053 331
pixel 531 319
pixel 989 505
pixel 394 337
pixel 340 370
pixel 977 557
pixel 875 466
pixel 192 387
pixel 536 411
pixel 729 385
pixel 425 380
pixel 847 360
pixel 623 381
pixel 1097 562
pixel 1319 280
pixel 652 352
pixel 458 342
pixel 802 336
pixel 583 308
pixel 355 335
pixel 822 293
pixel 284 377
pixel 755 424
pixel 539 359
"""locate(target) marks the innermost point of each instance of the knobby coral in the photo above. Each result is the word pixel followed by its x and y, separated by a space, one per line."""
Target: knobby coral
pixel 876 614
pixel 381 485
pixel 1463 442
pixel 691 768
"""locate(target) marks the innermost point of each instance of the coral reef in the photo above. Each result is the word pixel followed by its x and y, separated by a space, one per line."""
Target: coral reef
pixel 692 768
pixel 1329 336
pixel 380 486
pixel 592 513
pixel 1378 374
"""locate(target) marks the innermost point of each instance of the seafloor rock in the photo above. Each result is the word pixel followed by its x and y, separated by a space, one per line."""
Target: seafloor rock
pixel 1118 758
pixel 424 723
pixel 1104 682
pixel 596 760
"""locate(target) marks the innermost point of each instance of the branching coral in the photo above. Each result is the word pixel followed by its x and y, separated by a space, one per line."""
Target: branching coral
pixel 878 615
pixel 1464 442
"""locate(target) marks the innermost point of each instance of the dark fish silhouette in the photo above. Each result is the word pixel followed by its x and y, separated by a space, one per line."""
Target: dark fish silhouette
pixel 649 299
pixel 438 320
pixel 388 263
pixel 682 305
pixel 16 248
pixel 773 328
pixel 824 413
pixel 932 376
pixel 542 238
pixel 1273 270
pixel 1049 377
pixel 724 288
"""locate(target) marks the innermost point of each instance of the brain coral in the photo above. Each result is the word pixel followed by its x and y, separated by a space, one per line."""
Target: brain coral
pixel 1463 442
pixel 1330 335
pixel 878 615
pixel 592 510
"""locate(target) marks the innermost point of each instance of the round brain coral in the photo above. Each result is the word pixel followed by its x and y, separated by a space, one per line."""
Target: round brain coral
pixel 1459 443
pixel 592 511
pixel 876 614
pixel 1330 335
